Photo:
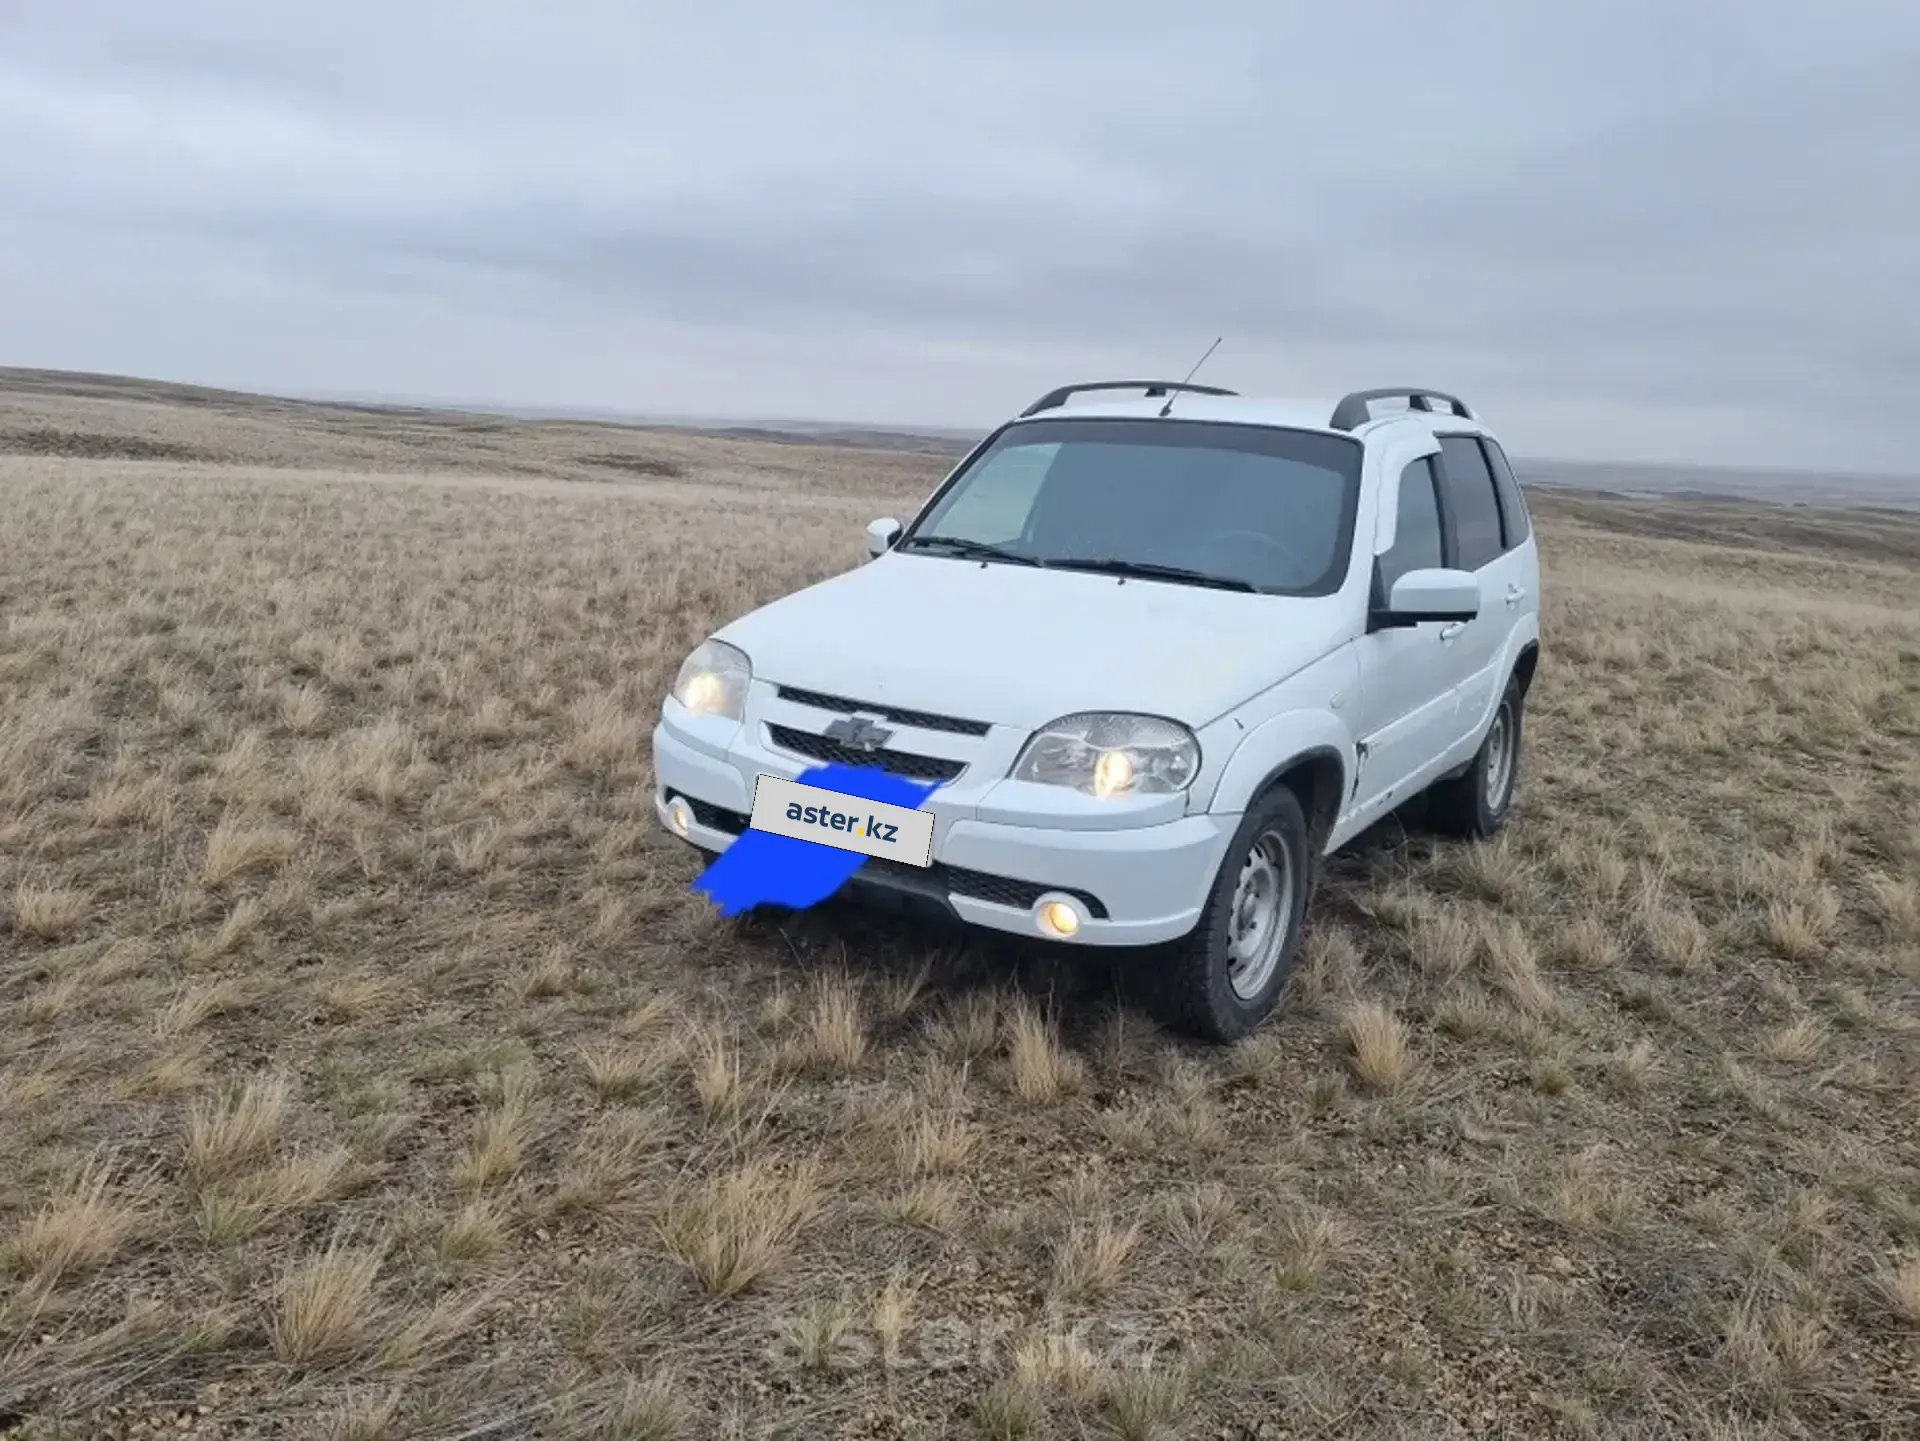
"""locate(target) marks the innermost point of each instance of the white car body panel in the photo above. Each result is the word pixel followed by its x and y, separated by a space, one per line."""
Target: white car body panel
pixel 1019 646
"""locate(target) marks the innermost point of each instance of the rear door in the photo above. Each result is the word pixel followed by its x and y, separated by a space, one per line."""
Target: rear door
pixel 1486 544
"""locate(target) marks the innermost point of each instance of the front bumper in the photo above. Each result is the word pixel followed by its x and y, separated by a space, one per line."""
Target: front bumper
pixel 1139 886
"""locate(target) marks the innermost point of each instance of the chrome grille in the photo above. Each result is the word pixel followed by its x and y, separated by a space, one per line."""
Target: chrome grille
pixel 919 720
pixel 899 763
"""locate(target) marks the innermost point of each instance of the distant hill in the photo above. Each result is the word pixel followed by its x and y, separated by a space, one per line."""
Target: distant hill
pixel 1672 480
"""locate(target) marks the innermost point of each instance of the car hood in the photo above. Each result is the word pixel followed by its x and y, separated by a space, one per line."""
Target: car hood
pixel 1016 645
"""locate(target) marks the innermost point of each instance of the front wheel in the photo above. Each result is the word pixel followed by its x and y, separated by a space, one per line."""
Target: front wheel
pixel 1223 979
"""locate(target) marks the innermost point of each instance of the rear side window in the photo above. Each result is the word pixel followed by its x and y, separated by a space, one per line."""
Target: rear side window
pixel 1472 506
pixel 1515 524
pixel 1416 532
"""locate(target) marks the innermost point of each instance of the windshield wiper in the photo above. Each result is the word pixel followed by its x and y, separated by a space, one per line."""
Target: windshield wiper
pixel 1147 570
pixel 970 549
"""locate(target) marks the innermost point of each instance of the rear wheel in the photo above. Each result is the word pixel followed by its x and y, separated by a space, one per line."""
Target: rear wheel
pixel 1475 803
pixel 1223 979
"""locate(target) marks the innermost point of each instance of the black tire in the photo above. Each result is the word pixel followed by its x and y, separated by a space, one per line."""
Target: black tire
pixel 1190 985
pixel 1475 803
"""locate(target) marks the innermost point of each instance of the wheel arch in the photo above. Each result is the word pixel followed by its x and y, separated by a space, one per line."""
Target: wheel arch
pixel 1525 664
pixel 1318 778
pixel 1318 775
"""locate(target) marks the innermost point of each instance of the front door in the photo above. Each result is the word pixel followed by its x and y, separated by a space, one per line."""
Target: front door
pixel 1408 674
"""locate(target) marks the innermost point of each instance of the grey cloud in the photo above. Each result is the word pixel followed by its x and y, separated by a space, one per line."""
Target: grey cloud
pixel 1621 227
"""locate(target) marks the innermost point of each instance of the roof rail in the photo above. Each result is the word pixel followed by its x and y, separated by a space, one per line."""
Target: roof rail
pixel 1054 399
pixel 1352 413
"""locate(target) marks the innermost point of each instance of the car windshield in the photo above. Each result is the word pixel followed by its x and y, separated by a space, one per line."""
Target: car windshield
pixel 1194 502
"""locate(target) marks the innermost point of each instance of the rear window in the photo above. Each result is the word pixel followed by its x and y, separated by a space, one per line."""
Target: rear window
pixel 1473 510
pixel 1515 524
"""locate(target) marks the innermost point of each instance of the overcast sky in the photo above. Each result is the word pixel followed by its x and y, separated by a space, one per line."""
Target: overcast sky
pixel 1658 228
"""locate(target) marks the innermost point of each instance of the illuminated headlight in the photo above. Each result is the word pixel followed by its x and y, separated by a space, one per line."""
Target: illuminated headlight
pixel 1104 754
pixel 713 680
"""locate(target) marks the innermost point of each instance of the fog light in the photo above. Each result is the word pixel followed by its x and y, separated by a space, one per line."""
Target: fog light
pixel 1058 915
pixel 680 815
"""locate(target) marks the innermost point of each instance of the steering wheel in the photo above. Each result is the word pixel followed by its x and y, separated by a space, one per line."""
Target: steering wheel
pixel 1286 552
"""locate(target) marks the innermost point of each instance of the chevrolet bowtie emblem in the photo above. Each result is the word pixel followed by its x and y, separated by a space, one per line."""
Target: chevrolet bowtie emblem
pixel 859 732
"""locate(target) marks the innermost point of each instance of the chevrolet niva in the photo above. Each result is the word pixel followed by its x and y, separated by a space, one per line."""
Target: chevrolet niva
pixel 1161 659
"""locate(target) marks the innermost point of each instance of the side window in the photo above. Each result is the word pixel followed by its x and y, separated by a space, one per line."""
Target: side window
pixel 994 501
pixel 1515 524
pixel 1416 533
pixel 1472 507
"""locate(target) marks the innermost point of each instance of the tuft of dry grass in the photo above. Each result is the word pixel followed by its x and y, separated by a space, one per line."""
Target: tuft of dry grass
pixel 619 1072
pixel 1896 902
pixel 1799 930
pixel 1008 1410
pixel 1513 964
pixel 935 1145
pixel 367 1417
pixel 1377 1046
pixel 1798 1041
pixel 1052 1363
pixel 1634 1068
pixel 48 912
pixel 1044 1071
pixel 968 1029
pixel 496 1145
pixel 730 1230
pixel 631 1409
pixel 720 1080
pixel 323 1308
pixel 477 1231
pixel 1674 935
pixel 1899 1286
pixel 1144 1405
pixel 836 1025
pixel 931 1205
pixel 1305 1243
pixel 80 1228
pixel 1091 1257
pixel 227 1131
pixel 239 845
pixel 195 1005
pixel 1590 943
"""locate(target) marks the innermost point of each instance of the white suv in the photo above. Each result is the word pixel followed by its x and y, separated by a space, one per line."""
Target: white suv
pixel 1162 655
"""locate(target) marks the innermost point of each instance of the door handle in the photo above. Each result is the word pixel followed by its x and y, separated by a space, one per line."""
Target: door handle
pixel 1448 632
pixel 1514 592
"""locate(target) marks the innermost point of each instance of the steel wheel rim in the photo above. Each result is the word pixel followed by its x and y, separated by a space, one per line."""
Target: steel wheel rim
pixel 1499 759
pixel 1262 910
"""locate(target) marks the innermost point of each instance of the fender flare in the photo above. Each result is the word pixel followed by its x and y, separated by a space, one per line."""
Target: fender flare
pixel 1522 664
pixel 1282 745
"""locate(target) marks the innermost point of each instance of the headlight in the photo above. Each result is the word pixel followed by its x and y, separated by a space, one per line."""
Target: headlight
pixel 1107 755
pixel 713 680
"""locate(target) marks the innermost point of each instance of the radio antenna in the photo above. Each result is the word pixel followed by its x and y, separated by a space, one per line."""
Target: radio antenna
pixel 1167 409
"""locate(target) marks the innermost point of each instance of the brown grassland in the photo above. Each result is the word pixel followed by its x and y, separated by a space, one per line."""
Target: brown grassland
pixel 368 1069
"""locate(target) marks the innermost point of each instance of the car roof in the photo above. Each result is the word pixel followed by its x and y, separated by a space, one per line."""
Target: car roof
pixel 1292 413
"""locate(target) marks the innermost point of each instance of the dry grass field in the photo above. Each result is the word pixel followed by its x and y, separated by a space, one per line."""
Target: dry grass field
pixel 368 1069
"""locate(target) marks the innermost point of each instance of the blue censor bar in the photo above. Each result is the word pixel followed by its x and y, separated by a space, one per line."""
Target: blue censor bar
pixel 762 869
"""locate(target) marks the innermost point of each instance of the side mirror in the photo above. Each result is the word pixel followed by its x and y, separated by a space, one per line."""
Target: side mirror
pixel 881 534
pixel 1429 595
